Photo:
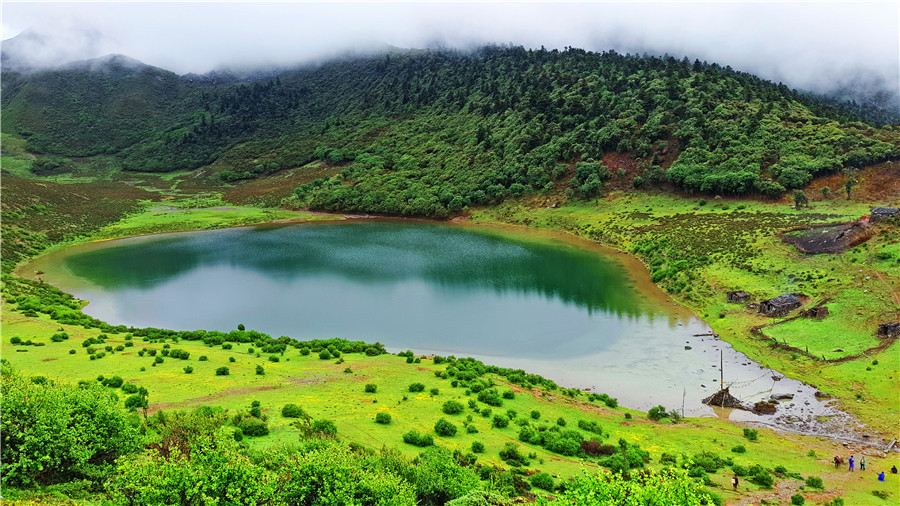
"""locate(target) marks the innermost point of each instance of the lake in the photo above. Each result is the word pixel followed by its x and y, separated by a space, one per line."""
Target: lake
pixel 578 314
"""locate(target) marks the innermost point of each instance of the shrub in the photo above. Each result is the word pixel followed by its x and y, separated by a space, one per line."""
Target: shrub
pixel 500 422
pixel 739 449
pixel 490 397
pixel 324 355
pixel 371 388
pixel 763 479
pixel 203 358
pixel 325 427
pixel 274 358
pixel 536 415
pixel 543 481
pixel 260 371
pixel 292 411
pixel 434 391
pixel 477 447
pixel 509 394
pixel 114 382
pixel 18 340
pixel 444 428
pixel 751 434
pixel 453 408
pixel 252 426
pixel 383 418
pixel 129 388
pixel 72 352
pixel 561 422
pixel 304 351
pixel 414 438
pixel 188 369
pixel 814 482
pixel 511 455
pixel 590 426
pixel 798 500
pixel 158 360
pixel 416 387
pixel 657 413
pixel 55 432
pixel 232 359
pixel 222 371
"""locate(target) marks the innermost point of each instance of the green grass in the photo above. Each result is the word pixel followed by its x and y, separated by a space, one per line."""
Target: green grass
pixel 745 254
pixel 323 389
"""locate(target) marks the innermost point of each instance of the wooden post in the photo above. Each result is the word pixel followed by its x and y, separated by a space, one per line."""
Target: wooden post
pixel 721 371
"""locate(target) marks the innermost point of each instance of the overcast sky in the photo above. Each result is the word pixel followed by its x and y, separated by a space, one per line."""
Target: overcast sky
pixel 810 45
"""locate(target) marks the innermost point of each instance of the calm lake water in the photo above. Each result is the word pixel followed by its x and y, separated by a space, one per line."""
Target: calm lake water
pixel 579 315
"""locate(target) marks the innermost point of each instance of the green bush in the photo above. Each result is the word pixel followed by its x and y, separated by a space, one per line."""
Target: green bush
pixel 416 387
pixel 203 358
pixel 383 418
pixel 500 422
pixel 188 369
pixel 324 355
pixel 536 415
pixel 304 351
pixel 763 479
pixel 798 500
pixel 252 426
pixel 561 422
pixel 751 434
pixel 54 432
pixel 444 428
pixel 509 394
pixel 414 438
pixel 739 449
pixel 325 427
pixel 542 481
pixel 453 408
pixel 222 371
pixel 814 482
pixel 477 447
pixel 371 388
pixel 260 371
pixel 292 411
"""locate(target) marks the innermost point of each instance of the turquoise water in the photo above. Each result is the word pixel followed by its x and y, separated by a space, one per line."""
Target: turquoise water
pixel 571 313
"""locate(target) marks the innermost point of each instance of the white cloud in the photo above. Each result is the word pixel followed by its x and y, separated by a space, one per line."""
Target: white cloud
pixel 807 45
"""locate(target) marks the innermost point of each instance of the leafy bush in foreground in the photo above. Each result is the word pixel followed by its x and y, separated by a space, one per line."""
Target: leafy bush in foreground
pixel 667 486
pixel 53 432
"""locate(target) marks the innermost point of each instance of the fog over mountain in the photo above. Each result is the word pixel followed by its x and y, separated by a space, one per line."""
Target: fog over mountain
pixel 848 50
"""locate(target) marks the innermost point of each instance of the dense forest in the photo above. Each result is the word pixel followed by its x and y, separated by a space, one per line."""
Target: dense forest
pixel 431 132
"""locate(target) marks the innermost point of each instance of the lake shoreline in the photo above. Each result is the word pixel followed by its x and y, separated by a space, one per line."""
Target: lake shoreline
pixel 336 219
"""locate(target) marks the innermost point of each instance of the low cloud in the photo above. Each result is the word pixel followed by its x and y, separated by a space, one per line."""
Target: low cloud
pixel 811 46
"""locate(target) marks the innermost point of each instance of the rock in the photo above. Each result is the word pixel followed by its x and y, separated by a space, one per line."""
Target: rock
pixel 779 397
pixel 688 348
pixel 764 408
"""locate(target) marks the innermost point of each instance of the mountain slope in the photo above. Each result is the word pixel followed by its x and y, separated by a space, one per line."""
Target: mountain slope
pixel 429 132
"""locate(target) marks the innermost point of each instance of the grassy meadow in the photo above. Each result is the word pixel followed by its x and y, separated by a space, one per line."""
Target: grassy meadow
pixel 335 389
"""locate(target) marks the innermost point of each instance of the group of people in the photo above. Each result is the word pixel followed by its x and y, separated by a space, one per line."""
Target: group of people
pixel 837 463
pixel 862 465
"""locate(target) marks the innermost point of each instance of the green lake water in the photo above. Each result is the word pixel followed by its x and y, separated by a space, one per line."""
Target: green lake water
pixel 580 316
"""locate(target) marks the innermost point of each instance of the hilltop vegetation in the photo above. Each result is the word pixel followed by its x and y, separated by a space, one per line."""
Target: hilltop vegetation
pixel 429 133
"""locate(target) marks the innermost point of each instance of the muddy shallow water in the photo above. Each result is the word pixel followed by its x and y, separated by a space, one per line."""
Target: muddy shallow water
pixel 581 315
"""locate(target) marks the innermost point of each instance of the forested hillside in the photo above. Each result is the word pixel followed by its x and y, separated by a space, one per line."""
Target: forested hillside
pixel 430 132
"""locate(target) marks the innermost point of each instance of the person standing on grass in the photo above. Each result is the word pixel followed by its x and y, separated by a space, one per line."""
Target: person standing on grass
pixel 862 463
pixel 851 463
pixel 734 482
pixel 837 462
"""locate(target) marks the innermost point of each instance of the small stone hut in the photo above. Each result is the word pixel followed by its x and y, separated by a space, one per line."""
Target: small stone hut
pixel 883 213
pixel 816 312
pixel 779 306
pixel 890 329
pixel 738 297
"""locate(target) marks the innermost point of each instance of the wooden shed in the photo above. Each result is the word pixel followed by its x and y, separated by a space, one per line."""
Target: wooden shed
pixel 779 306
pixel 883 213
pixel 816 312
pixel 738 297
pixel 890 329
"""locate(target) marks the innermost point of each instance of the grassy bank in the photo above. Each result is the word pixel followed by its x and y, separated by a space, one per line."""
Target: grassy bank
pixel 739 249
pixel 335 389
